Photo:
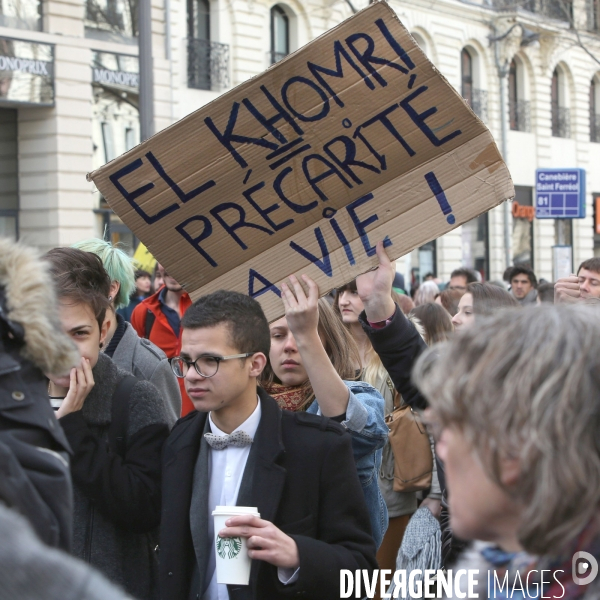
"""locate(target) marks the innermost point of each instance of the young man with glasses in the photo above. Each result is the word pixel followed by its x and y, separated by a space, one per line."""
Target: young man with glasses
pixel 239 448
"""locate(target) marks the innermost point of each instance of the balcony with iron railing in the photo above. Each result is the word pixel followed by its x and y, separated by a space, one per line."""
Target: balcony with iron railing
pixel 478 101
pixel 561 121
pixel 554 9
pixel 208 65
pixel 520 115
pixel 594 128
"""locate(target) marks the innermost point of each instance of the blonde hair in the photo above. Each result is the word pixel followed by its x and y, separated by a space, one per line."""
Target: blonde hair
pixel 524 384
pixel 339 346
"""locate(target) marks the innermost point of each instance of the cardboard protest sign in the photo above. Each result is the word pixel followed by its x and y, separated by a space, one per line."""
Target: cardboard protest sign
pixel 354 138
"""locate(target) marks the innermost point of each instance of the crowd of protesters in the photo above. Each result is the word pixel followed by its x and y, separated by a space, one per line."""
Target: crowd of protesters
pixel 129 412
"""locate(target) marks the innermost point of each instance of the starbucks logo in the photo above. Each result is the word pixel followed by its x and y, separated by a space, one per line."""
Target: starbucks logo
pixel 228 547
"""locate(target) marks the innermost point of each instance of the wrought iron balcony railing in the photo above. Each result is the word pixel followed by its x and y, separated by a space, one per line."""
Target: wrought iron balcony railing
pixel 208 65
pixel 555 9
pixel 561 121
pixel 479 103
pixel 595 128
pixel 519 114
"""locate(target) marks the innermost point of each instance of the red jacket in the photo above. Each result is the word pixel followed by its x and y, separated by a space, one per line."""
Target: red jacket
pixel 162 334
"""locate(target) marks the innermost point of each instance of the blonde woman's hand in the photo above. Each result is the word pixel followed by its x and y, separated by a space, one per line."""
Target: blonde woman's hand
pixel 81 384
pixel 301 310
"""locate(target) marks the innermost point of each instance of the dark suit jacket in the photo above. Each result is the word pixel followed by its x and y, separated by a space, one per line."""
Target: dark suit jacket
pixel 301 476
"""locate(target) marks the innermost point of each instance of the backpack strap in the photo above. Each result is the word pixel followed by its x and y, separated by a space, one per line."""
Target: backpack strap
pixel 117 433
pixel 150 318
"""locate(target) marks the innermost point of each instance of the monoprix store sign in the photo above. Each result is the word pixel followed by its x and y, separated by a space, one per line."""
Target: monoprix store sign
pixel 26 73
pixel 560 194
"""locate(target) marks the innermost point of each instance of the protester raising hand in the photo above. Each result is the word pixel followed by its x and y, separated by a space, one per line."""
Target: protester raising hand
pixel 312 366
pixel 302 315
pixel 375 288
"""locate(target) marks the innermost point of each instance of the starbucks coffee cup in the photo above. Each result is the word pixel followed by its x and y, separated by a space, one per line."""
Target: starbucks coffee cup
pixel 233 562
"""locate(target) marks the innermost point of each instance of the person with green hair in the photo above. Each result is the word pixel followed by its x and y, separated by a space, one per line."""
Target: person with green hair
pixel 137 355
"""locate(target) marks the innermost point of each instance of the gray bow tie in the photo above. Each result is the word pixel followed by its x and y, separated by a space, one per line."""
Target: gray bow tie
pixel 220 442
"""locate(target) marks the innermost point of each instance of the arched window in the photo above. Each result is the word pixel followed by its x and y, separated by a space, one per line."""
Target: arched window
pixel 199 20
pixel 560 115
pixel 518 107
pixel 280 34
pixel 421 42
pixel 199 46
pixel 476 97
pixel 594 109
pixel 466 67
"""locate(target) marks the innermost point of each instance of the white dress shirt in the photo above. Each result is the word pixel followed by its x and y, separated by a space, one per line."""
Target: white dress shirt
pixel 226 469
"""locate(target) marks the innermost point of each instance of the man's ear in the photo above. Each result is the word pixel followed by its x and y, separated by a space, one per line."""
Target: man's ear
pixel 257 364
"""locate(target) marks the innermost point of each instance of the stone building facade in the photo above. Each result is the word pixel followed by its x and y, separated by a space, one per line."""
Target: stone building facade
pixel 69 103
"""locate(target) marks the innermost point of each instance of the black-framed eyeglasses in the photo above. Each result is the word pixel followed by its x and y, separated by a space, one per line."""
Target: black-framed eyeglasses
pixel 206 365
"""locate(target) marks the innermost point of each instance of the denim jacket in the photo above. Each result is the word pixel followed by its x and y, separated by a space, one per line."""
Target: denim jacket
pixel 365 422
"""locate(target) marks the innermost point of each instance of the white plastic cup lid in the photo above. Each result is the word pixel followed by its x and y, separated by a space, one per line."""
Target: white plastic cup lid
pixel 233 511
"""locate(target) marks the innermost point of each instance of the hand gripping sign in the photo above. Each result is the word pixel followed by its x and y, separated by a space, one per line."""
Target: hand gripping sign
pixel 354 138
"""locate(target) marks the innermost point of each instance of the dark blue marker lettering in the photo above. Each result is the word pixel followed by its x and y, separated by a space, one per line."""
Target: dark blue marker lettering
pixel 264 212
pixel 195 241
pixel 338 52
pixel 440 195
pixel 366 57
pixel 331 170
pixel 227 138
pixel 289 156
pixel 268 286
pixel 325 263
pixel 311 84
pixel 268 124
pixel 340 235
pixel 283 149
pixel 131 196
pixel 281 110
pixel 178 191
pixel 398 49
pixel 419 118
pixel 298 208
pixel 349 157
pixel 361 225
pixel 365 141
pixel 382 118
pixel 241 222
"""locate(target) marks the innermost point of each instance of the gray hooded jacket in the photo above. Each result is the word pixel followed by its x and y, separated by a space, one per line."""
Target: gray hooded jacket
pixel 145 360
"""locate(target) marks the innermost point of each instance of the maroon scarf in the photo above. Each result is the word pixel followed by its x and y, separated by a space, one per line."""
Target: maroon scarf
pixel 288 397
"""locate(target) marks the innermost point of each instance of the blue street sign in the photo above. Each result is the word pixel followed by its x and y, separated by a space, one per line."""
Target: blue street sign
pixel 560 194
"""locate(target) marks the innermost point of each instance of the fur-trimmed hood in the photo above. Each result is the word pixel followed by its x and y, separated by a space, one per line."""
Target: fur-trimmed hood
pixel 31 303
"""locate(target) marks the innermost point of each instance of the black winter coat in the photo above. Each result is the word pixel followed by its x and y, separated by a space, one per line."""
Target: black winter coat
pixel 304 481
pixel 398 344
pixel 117 499
pixel 34 453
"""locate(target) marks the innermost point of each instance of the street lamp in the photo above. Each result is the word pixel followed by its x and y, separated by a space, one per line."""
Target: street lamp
pixel 528 37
